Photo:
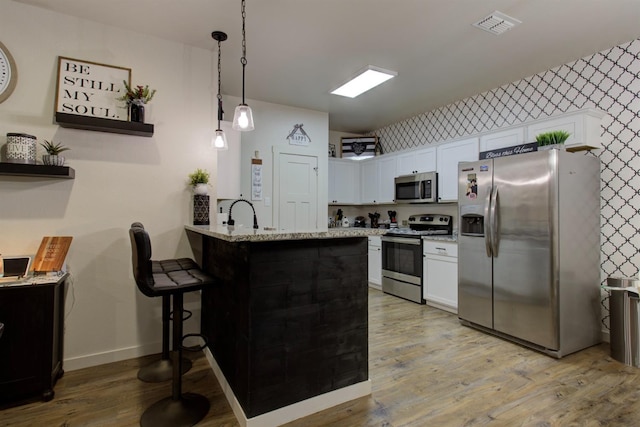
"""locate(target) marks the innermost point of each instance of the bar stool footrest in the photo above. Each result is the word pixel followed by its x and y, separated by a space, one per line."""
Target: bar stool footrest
pixel 194 347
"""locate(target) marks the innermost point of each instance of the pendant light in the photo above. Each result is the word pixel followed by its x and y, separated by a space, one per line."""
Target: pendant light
pixel 219 141
pixel 243 117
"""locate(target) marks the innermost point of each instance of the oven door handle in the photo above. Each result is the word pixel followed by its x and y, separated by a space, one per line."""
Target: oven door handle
pixel 404 240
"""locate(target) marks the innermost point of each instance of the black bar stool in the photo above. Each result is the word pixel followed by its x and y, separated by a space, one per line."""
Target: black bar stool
pixel 162 369
pixel 180 409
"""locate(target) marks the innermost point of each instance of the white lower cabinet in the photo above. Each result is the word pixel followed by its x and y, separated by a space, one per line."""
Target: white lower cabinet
pixel 440 274
pixel 375 262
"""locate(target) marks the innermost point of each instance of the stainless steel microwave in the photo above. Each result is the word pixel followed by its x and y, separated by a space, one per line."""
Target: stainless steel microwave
pixel 417 188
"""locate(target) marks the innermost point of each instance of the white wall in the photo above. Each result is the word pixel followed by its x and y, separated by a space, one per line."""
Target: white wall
pixel 119 178
pixel 273 124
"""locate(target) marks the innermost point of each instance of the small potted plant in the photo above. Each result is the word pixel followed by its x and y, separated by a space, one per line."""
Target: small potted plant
pixel 136 98
pixel 199 180
pixel 53 157
pixel 553 139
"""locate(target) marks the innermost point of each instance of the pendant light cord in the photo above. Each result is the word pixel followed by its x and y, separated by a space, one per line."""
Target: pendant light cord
pixel 243 60
pixel 220 112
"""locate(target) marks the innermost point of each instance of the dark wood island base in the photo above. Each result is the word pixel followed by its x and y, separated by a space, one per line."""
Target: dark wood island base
pixel 289 321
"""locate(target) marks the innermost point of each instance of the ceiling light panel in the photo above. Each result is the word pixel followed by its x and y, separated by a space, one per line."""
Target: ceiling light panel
pixel 366 79
pixel 497 23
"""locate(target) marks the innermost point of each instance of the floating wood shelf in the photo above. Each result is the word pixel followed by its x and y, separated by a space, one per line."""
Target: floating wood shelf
pixel 41 171
pixel 104 125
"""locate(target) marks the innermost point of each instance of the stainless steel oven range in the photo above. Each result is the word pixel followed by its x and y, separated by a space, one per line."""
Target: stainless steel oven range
pixel 402 254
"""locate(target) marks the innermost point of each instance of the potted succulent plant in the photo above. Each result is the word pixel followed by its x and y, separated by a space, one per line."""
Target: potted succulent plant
pixel 199 180
pixel 553 139
pixel 53 157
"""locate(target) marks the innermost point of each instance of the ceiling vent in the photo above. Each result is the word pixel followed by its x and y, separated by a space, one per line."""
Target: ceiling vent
pixel 497 23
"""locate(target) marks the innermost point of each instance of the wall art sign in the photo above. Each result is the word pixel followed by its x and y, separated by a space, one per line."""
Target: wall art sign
pixel 256 179
pixel 298 136
pixel 358 148
pixel 509 151
pixel 90 89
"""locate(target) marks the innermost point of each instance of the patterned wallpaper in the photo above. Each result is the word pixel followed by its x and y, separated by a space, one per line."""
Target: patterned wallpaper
pixel 609 81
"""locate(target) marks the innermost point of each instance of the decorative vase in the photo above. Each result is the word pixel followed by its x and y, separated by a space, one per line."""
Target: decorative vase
pixel 201 189
pixel 136 113
pixel 200 209
pixel 53 160
pixel 21 148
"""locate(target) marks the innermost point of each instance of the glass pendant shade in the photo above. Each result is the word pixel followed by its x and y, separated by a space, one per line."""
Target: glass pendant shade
pixel 243 118
pixel 219 141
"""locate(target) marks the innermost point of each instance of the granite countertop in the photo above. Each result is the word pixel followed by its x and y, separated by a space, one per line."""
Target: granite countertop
pixel 245 234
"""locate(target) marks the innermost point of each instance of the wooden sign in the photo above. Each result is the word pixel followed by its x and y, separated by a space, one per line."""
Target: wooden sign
pixel 298 136
pixel 90 89
pixel 52 253
pixel 509 151
pixel 359 147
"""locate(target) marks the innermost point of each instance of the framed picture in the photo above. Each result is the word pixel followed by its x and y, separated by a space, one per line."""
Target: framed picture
pixel 90 89
pixel 332 150
pixel 359 147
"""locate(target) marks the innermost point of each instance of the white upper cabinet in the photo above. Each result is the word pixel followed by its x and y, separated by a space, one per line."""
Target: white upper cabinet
pixel 583 127
pixel 449 155
pixel 387 171
pixel 377 180
pixel 228 170
pixel 344 181
pixel 502 139
pixel 415 161
pixel 369 181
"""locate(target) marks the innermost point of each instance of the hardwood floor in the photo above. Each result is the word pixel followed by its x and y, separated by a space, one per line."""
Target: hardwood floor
pixel 426 370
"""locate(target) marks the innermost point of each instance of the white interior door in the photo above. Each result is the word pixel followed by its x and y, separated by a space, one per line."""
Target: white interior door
pixel 298 192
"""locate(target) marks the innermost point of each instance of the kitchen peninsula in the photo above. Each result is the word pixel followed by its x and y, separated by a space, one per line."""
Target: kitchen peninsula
pixel 289 321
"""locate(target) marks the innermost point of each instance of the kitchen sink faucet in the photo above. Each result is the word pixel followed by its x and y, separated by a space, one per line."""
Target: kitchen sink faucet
pixel 255 219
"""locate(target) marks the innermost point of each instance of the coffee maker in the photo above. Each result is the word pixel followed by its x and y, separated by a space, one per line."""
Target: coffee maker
pixel 374 219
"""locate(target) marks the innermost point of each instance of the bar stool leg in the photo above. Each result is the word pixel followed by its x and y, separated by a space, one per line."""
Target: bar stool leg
pixel 162 370
pixel 179 409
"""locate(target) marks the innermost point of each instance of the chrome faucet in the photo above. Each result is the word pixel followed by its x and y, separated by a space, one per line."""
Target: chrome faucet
pixel 231 222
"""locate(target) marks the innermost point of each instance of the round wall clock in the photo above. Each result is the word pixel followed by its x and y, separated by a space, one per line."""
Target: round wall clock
pixel 8 73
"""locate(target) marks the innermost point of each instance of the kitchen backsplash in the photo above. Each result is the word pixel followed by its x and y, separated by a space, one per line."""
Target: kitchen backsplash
pixel 402 211
pixel 608 80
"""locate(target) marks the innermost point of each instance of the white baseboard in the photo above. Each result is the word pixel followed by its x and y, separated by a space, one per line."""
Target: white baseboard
pixel 291 412
pixel 95 359
pixel 375 286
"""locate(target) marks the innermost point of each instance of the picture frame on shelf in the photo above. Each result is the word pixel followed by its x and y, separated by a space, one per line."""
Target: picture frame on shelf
pixel 91 89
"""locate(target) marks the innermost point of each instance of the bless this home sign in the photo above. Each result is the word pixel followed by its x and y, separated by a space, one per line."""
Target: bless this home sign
pixel 90 89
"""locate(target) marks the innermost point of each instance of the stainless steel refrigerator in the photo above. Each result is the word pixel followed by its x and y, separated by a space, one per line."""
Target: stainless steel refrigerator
pixel 529 249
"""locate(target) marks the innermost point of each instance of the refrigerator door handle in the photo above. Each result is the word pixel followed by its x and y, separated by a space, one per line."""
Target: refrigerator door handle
pixel 495 221
pixel 487 224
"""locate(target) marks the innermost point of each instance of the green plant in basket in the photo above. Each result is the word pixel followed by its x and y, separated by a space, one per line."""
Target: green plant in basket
pixel 200 176
pixel 54 149
pixel 552 138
